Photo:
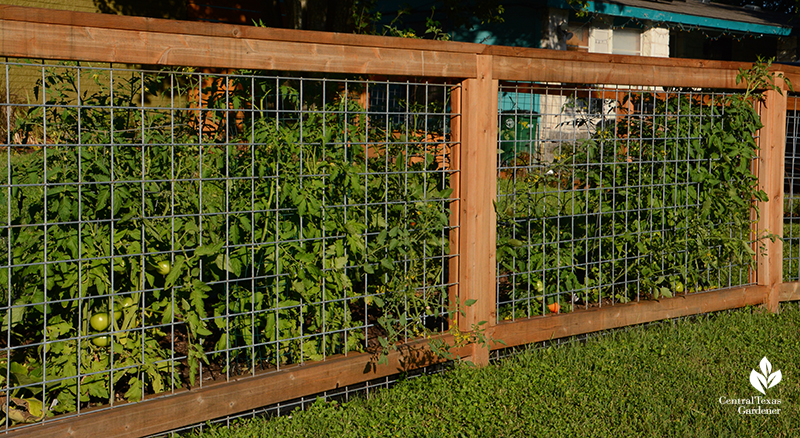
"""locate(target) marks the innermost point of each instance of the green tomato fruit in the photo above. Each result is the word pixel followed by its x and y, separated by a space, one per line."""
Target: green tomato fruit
pixel 539 286
pixel 101 341
pixel 127 302
pixel 679 287
pixel 163 267
pixel 99 321
pixel 117 315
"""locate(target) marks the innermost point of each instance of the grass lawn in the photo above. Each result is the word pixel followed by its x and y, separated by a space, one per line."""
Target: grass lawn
pixel 666 380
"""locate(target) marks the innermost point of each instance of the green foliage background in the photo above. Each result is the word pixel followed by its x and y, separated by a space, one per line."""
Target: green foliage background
pixel 284 239
pixel 657 202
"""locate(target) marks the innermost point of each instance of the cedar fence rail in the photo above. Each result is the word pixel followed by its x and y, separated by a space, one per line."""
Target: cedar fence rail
pixel 56 35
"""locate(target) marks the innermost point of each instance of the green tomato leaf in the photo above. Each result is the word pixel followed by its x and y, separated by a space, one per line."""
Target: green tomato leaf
pixel 175 271
pixel 134 392
pixel 206 250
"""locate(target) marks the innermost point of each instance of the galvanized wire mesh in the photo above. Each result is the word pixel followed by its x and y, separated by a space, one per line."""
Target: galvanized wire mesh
pixel 164 229
pixel 610 194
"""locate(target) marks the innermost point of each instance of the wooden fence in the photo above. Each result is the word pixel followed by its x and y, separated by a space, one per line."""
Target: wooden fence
pixel 56 35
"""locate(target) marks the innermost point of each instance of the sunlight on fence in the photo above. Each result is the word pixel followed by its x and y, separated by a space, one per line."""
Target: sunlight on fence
pixel 791 189
pixel 219 242
pixel 618 194
pixel 165 229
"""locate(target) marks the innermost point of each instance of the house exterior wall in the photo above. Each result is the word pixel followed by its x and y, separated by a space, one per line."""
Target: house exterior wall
pixel 655 42
pixel 743 48
pixel 554 34
pixel 787 49
pixel 558 114
pixel 600 36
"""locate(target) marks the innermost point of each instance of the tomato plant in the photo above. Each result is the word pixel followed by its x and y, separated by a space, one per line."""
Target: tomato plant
pixel 209 244
pixel 652 203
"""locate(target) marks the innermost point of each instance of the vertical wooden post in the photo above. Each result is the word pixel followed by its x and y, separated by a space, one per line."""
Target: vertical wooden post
pixel 772 150
pixel 478 192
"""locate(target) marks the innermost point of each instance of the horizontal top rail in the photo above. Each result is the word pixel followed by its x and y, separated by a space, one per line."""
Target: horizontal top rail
pixel 160 25
pixel 80 36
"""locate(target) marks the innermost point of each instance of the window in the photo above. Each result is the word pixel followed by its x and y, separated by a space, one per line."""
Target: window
pixel 617 41
pixel 626 42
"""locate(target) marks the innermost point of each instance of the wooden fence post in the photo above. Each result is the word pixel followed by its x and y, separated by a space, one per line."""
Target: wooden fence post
pixel 770 166
pixel 477 235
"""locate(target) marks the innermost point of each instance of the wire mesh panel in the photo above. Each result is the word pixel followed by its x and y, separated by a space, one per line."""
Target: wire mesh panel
pixel 163 229
pixel 791 190
pixel 618 194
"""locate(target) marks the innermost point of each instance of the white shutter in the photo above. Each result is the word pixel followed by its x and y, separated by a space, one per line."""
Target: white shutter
pixel 600 41
pixel 627 42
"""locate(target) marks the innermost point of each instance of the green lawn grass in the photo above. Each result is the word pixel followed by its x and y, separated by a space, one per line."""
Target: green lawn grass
pixel 665 380
pixel 791 251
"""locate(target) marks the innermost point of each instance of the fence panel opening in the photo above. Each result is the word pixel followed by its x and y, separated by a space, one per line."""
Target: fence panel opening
pixel 609 195
pixel 791 191
pixel 164 229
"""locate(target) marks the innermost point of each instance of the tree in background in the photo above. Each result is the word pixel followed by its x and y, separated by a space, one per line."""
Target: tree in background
pixel 419 18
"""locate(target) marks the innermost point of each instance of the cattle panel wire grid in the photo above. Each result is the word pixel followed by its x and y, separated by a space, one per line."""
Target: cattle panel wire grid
pixel 610 194
pixel 791 190
pixel 165 229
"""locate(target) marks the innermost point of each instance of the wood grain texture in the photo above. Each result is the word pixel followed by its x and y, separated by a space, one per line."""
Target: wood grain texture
pixel 694 72
pixel 64 35
pixel 771 142
pixel 478 191
pixel 48 34
pixel 158 25
pixel 790 291
pixel 96 44
pixel 608 72
pixel 229 398
pixel 581 322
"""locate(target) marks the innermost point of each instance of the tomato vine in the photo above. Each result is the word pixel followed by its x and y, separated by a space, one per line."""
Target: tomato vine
pixel 653 203
pixel 283 236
